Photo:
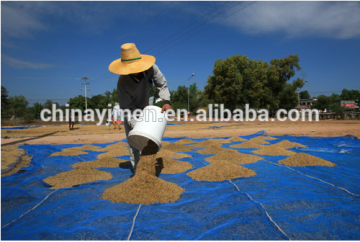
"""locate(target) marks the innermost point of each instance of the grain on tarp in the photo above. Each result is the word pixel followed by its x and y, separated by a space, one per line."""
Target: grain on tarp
pixel 103 162
pixel 77 176
pixel 220 171
pixel 303 159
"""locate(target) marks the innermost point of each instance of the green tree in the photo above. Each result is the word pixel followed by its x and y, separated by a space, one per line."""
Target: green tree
pixel 237 81
pixel 18 106
pixel 114 97
pixel 99 101
pixel 154 92
pixel 48 104
pixel 322 102
pixel 335 98
pixel 4 101
pixel 77 103
pixel 353 95
pixel 226 84
pixel 336 108
pixel 28 115
pixel 204 100
pixel 36 110
pixel 107 99
pixel 288 97
pixel 179 98
pixel 304 95
pixel 193 98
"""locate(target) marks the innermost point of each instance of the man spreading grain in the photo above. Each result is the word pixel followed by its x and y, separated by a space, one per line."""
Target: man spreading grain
pixel 137 74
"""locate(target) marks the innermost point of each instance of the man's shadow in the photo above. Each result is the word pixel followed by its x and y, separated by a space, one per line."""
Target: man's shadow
pixel 158 166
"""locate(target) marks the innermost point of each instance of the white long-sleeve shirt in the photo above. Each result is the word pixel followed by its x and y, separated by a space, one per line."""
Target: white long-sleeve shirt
pixel 134 94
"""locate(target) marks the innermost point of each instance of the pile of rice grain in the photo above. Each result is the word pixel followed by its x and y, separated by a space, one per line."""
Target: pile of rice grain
pixel 185 141
pixel 220 171
pixel 77 176
pixel 9 155
pixel 262 139
pixel 69 152
pixel 210 142
pixel 113 153
pixel 171 154
pixel 285 144
pixel 273 151
pixel 87 147
pixel 177 147
pixel 115 146
pixel 233 157
pixel 302 159
pixel 236 138
pixel 171 166
pixel 213 149
pixel 254 143
pixel 103 162
pixel 248 145
pixel 144 187
pixel 279 148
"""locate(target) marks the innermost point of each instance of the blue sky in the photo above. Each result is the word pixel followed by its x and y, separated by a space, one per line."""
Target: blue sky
pixel 46 47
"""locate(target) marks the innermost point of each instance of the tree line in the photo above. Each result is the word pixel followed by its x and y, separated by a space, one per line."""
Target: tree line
pixel 332 102
pixel 235 81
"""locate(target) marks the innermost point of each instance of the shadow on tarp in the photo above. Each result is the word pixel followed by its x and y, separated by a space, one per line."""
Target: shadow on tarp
pixel 28 139
pixel 300 207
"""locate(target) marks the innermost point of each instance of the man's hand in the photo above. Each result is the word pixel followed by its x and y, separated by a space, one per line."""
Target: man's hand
pixel 165 107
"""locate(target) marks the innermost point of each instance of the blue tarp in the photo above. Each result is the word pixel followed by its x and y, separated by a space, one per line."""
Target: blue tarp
pixel 19 127
pixel 280 202
pixel 175 123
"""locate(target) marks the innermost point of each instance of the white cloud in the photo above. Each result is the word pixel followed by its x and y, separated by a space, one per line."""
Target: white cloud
pixel 23 18
pixel 18 23
pixel 338 20
pixel 19 64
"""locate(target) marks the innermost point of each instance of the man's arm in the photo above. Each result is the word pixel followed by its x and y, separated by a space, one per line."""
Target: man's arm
pixel 161 84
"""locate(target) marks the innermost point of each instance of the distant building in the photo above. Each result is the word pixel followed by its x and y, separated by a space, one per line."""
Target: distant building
pixel 306 103
pixel 349 105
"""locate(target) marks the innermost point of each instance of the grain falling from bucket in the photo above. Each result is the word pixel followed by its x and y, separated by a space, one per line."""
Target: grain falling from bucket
pixel 144 187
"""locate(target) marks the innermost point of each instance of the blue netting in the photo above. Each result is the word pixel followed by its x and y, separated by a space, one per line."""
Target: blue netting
pixel 280 202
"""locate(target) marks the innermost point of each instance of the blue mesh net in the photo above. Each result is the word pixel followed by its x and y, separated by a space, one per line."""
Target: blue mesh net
pixel 279 203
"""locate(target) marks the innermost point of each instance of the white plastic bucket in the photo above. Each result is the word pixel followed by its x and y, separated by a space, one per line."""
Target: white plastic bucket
pixel 151 127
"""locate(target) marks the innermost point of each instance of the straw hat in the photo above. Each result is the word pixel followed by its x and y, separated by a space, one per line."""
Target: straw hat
pixel 131 61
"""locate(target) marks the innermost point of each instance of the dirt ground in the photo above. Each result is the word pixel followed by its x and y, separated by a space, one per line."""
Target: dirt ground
pixel 90 133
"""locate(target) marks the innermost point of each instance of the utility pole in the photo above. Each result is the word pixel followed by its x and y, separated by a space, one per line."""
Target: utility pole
pixel 299 93
pixel 86 89
pixel 189 92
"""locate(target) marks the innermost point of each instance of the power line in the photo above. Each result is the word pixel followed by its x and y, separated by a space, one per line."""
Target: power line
pixel 163 51
pixel 214 14
pixel 157 46
pixel 51 78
